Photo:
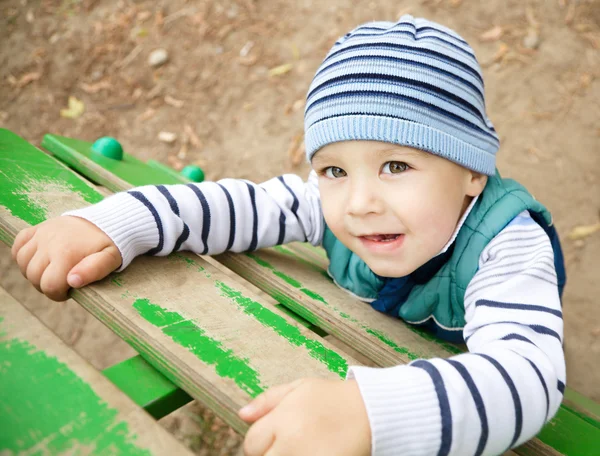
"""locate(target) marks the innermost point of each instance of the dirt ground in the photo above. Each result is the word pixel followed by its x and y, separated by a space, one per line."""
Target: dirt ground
pixel 230 99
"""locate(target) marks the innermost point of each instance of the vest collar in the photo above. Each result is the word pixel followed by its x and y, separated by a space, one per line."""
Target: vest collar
pixel 458 226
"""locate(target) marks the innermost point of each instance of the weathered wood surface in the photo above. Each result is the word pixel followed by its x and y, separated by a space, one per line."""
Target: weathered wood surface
pixel 53 402
pixel 206 332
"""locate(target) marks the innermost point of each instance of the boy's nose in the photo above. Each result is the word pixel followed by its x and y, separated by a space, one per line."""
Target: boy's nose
pixel 363 199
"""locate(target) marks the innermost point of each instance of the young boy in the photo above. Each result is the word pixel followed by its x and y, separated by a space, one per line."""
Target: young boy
pixel 405 198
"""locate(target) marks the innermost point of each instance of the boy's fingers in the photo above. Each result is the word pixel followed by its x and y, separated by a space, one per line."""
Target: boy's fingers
pixel 35 269
pixel 54 281
pixel 259 439
pixel 267 401
pixel 94 267
pixel 24 256
pixel 22 238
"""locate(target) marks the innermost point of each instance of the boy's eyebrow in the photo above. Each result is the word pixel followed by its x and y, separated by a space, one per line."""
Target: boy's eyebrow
pixel 401 151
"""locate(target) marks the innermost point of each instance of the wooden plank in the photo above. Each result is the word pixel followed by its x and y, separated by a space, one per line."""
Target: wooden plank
pixel 304 286
pixel 308 291
pixel 204 331
pixel 129 170
pixel 53 402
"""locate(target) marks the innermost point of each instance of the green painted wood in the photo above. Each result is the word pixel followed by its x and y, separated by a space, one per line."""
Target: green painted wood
pixel 54 402
pixel 146 386
pixel 130 169
pixel 203 330
pixel 168 170
pixel 583 406
pixel 571 435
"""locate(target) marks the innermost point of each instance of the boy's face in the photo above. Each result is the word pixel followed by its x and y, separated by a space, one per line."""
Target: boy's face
pixel 394 206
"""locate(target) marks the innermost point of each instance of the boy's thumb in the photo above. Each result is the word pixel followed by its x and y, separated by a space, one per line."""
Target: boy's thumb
pixel 267 401
pixel 94 267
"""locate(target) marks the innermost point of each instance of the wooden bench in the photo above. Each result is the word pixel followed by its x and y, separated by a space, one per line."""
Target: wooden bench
pixel 213 335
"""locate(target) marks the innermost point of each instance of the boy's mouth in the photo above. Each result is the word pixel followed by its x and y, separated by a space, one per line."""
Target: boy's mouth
pixel 381 237
pixel 382 243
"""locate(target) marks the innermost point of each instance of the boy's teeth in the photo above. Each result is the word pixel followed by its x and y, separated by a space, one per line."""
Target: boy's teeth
pixel 381 237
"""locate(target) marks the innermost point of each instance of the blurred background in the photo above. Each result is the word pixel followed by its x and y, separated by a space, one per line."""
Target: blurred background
pixel 221 84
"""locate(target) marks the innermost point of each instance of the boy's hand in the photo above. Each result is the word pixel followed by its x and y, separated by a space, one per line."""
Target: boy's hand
pixel 309 417
pixel 64 252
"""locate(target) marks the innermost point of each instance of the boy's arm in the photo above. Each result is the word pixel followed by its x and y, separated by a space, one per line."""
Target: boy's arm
pixel 510 384
pixel 211 217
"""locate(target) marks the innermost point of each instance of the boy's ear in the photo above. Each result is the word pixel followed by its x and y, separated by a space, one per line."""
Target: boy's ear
pixel 476 183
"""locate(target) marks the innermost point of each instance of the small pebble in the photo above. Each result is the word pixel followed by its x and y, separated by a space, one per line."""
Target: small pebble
pixel 158 57
pixel 167 137
pixel 532 39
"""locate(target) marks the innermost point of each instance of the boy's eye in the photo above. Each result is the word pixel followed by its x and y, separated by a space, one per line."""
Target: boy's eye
pixel 394 167
pixel 334 172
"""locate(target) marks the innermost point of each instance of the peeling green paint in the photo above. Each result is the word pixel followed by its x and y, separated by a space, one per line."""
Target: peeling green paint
pixel 46 408
pixel 410 355
pixel 27 182
pixel 295 306
pixel 293 282
pixel 210 351
pixel 334 362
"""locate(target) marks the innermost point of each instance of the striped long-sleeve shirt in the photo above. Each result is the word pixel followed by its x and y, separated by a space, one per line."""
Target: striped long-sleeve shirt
pixel 486 401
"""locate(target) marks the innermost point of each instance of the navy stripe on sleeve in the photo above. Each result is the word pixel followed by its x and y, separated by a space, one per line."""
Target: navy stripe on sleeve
pixel 445 411
pixel 205 216
pixel 515 397
pixel 543 382
pixel 231 217
pixel 505 305
pixel 537 328
pixel 514 336
pixel 140 197
pixel 295 204
pixel 174 207
pixel 281 228
pixel 254 240
pixel 185 234
pixel 561 387
pixel 479 405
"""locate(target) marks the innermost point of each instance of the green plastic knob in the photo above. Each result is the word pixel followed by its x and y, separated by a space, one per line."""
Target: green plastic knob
pixel 193 173
pixel 108 147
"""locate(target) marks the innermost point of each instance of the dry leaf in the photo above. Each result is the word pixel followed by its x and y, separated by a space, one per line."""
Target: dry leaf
pixel 593 38
pixel 570 14
pixel 296 149
pixel 531 19
pixel 75 109
pixel 147 114
pixel 95 88
pixel 503 49
pixel 583 231
pixel 192 135
pixel 174 101
pixel 182 152
pixel 493 34
pixel 23 80
pixel 295 51
pixel 281 69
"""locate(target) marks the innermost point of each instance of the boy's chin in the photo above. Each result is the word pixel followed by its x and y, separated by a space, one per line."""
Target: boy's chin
pixel 390 269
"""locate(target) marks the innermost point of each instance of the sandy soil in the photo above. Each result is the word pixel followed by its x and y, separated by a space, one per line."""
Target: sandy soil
pixel 232 93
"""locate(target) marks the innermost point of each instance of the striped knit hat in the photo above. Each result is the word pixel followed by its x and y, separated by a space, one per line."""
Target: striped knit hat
pixel 413 83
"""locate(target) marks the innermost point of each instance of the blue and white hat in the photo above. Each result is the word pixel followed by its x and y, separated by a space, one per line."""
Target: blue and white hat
pixel 413 83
